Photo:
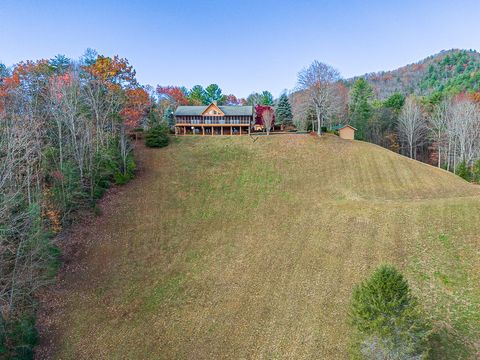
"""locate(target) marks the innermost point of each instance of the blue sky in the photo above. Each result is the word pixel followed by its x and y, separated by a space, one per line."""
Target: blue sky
pixel 243 46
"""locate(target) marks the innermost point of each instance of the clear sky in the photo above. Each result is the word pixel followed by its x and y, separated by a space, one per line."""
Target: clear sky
pixel 243 46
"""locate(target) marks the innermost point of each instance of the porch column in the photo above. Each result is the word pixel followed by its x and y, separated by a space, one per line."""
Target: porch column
pixel 184 130
pixel 203 130
pixel 212 130
pixel 231 130
pixel 240 130
pixel 221 130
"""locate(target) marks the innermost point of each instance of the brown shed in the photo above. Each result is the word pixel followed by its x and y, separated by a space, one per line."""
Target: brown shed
pixel 346 132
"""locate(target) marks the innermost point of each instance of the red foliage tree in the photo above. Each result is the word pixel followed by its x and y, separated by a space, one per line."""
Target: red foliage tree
pixel 136 106
pixel 259 109
pixel 114 72
pixel 174 94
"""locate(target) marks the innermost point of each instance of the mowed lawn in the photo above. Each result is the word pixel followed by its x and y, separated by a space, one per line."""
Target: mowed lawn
pixel 228 248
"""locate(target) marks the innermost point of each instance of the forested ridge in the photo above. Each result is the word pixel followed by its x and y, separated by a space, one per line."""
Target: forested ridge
pixel 448 72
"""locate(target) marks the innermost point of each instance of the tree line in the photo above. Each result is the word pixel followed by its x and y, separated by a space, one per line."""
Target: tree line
pixel 440 130
pixel 63 141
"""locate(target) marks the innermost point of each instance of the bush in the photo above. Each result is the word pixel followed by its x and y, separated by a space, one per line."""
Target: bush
pixel 388 321
pixel 157 136
pixel 476 171
pixel 463 171
pixel 18 338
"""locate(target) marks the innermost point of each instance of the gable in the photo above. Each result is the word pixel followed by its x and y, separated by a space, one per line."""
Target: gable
pixel 213 110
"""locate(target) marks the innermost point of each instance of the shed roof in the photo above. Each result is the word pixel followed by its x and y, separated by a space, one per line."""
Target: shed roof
pixel 227 110
pixel 339 127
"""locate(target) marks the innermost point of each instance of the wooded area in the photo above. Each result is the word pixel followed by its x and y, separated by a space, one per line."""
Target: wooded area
pixel 63 141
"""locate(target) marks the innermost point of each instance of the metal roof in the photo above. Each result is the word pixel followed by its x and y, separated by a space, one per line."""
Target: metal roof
pixel 338 127
pixel 227 110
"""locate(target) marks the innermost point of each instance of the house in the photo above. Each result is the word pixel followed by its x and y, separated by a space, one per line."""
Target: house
pixel 345 131
pixel 213 120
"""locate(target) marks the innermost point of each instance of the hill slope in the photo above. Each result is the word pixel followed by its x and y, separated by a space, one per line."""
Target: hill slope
pixel 450 71
pixel 226 248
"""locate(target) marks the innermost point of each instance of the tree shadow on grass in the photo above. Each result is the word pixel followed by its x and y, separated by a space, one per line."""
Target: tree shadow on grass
pixel 446 344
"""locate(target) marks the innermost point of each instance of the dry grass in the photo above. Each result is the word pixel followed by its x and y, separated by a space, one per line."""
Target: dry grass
pixel 225 248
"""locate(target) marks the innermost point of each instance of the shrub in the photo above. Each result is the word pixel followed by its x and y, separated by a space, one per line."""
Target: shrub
pixel 476 171
pixel 18 338
pixel 463 171
pixel 388 321
pixel 157 136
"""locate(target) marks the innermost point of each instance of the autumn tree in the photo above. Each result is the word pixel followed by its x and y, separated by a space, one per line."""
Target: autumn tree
pixel 268 116
pixel 62 142
pixel 232 100
pixel 174 95
pixel 136 106
pixel 318 82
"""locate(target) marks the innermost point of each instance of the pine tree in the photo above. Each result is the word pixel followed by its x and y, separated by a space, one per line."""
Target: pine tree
pixel 463 171
pixel 360 107
pixel 476 171
pixel 387 318
pixel 266 98
pixel 157 136
pixel 283 112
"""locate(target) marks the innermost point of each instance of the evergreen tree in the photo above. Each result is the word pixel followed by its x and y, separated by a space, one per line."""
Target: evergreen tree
pixel 213 93
pixel 395 102
pixel 463 171
pixel 59 64
pixel 387 318
pixel 254 99
pixel 157 136
pixel 197 96
pixel 168 116
pixel 283 112
pixel 360 106
pixel 266 98
pixel 476 171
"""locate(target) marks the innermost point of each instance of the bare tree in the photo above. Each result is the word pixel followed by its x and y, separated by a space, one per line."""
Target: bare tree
pixel 437 125
pixel 300 108
pixel 465 116
pixel 267 117
pixel 318 81
pixel 412 126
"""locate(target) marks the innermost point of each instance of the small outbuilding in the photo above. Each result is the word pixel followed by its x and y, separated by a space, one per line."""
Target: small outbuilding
pixel 345 131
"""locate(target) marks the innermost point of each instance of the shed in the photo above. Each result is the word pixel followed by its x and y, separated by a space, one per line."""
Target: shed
pixel 345 131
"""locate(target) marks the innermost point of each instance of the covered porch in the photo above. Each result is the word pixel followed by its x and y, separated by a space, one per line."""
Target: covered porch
pixel 207 129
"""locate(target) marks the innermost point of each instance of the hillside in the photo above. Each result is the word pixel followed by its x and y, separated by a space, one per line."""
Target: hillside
pixel 228 248
pixel 450 71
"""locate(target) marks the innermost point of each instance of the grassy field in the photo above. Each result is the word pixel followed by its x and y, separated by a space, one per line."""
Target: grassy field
pixel 228 248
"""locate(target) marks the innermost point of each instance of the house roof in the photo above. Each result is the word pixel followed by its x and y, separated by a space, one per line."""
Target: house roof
pixel 227 110
pixel 339 127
